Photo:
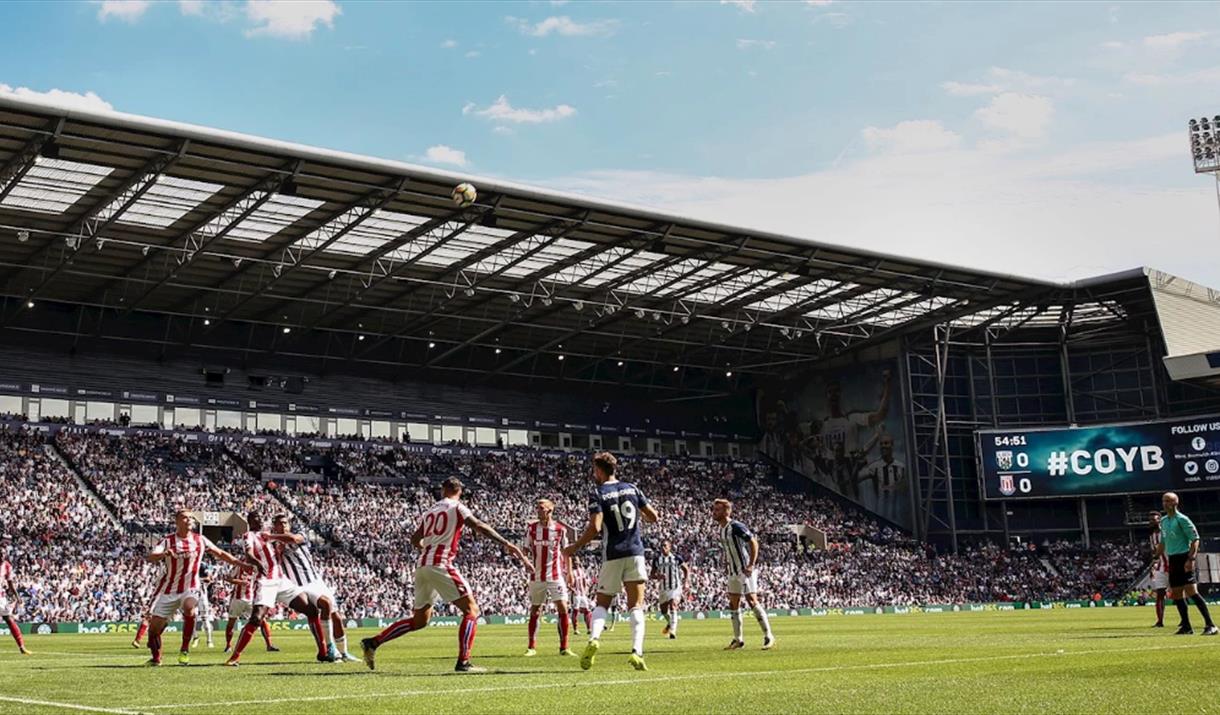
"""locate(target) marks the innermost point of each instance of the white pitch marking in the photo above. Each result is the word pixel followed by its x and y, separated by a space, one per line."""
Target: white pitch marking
pixel 68 706
pixel 668 678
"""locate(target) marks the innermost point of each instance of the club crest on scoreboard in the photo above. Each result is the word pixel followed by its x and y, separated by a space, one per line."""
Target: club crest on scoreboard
pixel 1007 487
pixel 1003 460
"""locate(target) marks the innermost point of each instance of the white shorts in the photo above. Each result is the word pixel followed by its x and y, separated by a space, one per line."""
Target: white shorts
pixel 315 591
pixel 268 592
pixel 616 572
pixel 1158 579
pixel 204 609
pixel 240 608
pixel 582 601
pixel 6 611
pixel 674 595
pixel 743 584
pixel 443 582
pixel 167 604
pixel 547 592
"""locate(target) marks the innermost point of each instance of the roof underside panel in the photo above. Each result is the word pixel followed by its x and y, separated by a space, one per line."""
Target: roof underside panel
pixel 54 185
pixel 378 247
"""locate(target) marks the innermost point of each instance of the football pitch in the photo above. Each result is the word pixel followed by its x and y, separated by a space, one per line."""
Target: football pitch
pixel 1040 661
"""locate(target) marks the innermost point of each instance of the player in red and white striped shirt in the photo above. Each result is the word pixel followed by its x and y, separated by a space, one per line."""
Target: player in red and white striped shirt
pixel 270 586
pixel 178 588
pixel 545 540
pixel 7 607
pixel 582 605
pixel 437 537
pixel 241 604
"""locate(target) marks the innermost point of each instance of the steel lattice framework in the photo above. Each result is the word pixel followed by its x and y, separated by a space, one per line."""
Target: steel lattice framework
pixel 338 257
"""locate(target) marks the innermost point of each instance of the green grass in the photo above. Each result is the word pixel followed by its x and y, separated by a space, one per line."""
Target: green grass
pixel 1055 661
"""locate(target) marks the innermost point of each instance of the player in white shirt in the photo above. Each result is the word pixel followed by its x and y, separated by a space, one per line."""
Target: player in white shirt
pixel 545 540
pixel 297 561
pixel 178 589
pixel 1158 574
pixel 436 537
pixel 889 476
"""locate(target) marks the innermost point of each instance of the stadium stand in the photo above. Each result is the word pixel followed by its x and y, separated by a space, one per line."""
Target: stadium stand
pixel 75 563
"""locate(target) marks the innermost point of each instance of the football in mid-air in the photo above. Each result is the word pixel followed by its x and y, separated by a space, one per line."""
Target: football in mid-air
pixel 464 194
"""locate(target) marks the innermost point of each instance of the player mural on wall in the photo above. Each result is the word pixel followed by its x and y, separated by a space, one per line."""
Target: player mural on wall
pixel 842 429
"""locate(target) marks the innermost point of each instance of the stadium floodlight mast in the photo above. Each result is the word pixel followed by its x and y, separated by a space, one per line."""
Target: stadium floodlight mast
pixel 1205 148
pixel 1205 144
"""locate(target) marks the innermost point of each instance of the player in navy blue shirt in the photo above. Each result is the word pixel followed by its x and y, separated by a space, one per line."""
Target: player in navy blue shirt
pixel 615 512
pixel 740 547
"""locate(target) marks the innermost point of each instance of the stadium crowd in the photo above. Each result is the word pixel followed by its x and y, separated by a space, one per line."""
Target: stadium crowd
pixel 74 562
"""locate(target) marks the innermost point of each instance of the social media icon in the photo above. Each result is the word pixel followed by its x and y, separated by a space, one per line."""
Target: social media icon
pixel 1198 444
pixel 1212 466
pixel 1191 468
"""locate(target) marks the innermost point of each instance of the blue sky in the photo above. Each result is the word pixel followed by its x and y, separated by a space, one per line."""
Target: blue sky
pixel 1042 138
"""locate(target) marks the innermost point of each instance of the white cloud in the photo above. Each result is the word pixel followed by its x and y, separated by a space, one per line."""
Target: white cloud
pixel 1113 45
pixel 68 100
pixel 745 5
pixel 966 89
pixel 449 44
pixel 1059 217
pixel 125 10
pixel 1210 75
pixel 442 154
pixel 910 137
pixel 752 44
pixel 502 111
pixel 1172 40
pixel 502 131
pixel 191 7
pixel 290 19
pixel 472 54
pixel 818 3
pixel 1024 116
pixel 563 26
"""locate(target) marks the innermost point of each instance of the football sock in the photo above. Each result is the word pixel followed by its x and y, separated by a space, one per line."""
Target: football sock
pixel 394 630
pixel 599 623
pixel 760 614
pixel 15 630
pixel 229 634
pixel 737 624
pixel 466 632
pixel 247 632
pixel 1160 607
pixel 1202 606
pixel 563 634
pixel 154 646
pixel 188 631
pixel 1185 614
pixel 636 618
pixel 533 632
pixel 141 631
pixel 673 619
pixel 266 630
pixel 315 626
